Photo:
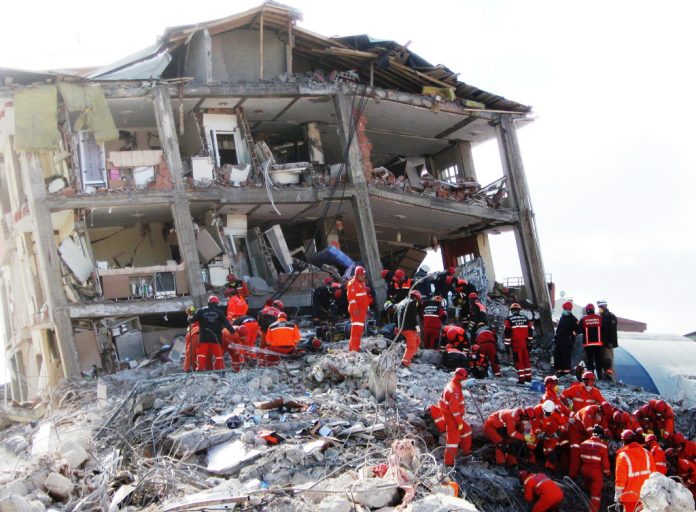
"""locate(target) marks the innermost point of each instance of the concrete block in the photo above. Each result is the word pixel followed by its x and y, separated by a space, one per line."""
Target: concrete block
pixel 335 504
pixel 15 503
pixel 191 441
pixel 74 454
pixel 58 485
pixel 16 487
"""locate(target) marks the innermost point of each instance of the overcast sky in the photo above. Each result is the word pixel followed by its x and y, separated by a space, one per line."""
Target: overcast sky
pixel 610 161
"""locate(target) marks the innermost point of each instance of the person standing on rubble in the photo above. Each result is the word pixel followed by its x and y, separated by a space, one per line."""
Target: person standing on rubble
pixel 451 408
pixel 594 466
pixel 610 338
pixel 518 338
pixel 538 486
pixel 590 328
pixel 564 339
pixel 445 282
pixel 322 297
pixel 634 464
pixel 359 301
pixel 433 317
pixel 485 339
pixel 407 312
pixel 211 320
pixel 580 428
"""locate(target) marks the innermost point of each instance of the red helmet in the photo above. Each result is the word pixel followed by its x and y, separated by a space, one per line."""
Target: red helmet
pixel 327 280
pixel 415 294
pixel 231 291
pixel 359 271
pixel 589 308
pixel 316 343
pixel 461 374
pixel 213 300
pixel 475 348
pixel 473 295
pixel 606 409
pixel 568 306
pixel 619 418
pixel 650 438
pixel 243 331
pixel 627 434
pixel 282 314
pixel 384 273
pixel 661 407
pixel 551 380
pixel 461 282
pixel 437 298
pixel 588 375
pixel 678 439
pixel 278 304
pixel 399 274
pixel 530 413
pixel 338 293
pixel 231 277
pixel 451 271
pixel 524 474
pixel 451 334
pixel 515 305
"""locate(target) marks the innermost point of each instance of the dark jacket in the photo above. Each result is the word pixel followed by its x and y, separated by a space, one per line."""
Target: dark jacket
pixel 609 327
pixel 407 315
pixel 210 323
pixel 566 329
pixel 321 301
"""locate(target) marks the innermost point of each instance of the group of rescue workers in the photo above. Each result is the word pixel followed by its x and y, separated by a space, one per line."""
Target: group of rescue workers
pixel 571 431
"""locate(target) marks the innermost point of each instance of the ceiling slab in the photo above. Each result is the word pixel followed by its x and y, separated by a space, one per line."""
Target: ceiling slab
pixel 394 144
pixel 265 109
pixel 401 118
pixel 224 102
pixel 306 110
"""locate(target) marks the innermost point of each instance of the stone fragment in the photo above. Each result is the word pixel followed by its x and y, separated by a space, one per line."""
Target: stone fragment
pixel 16 487
pixel 73 453
pixel 191 441
pixel 335 504
pixel 15 503
pixel 58 485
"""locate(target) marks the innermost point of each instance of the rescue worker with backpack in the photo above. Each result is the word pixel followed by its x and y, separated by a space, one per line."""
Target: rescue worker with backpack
pixel 518 339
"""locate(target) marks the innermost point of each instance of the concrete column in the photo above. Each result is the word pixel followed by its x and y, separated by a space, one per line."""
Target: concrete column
pixel 525 228
pixel 361 199
pixel 49 262
pixel 181 211
pixel 466 159
pixel 314 144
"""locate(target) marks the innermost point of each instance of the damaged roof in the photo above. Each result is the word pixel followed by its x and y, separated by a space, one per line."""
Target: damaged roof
pixel 394 66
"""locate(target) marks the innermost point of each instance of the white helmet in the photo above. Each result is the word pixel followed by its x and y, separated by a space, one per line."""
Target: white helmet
pixel 548 406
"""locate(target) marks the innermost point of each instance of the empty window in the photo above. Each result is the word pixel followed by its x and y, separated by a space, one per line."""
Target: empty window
pixel 449 174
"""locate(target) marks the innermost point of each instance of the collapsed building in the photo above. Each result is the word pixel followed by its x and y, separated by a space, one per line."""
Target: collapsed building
pixel 248 145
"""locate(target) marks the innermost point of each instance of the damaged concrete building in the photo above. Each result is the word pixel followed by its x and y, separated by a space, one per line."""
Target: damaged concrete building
pixel 244 144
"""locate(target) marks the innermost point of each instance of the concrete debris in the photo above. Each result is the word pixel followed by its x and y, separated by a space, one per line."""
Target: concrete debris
pixel 74 454
pixel 15 503
pixel 662 494
pixel 59 486
pixel 441 503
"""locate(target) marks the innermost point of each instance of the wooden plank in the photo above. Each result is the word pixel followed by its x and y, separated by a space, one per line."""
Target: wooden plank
pixel 261 47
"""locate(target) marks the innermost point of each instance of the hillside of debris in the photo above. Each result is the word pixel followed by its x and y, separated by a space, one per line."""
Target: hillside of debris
pixel 304 435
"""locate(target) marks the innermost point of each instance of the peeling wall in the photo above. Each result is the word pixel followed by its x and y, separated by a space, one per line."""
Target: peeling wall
pixel 235 56
pixel 129 246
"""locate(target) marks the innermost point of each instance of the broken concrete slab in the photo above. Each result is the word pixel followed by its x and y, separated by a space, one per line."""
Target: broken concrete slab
pixel 16 487
pixel 335 504
pixel 226 458
pixel 73 453
pixel 441 503
pixel 198 439
pixel 59 486
pixel 15 503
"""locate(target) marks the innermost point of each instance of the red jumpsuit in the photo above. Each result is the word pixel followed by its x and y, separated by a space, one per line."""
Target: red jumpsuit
pixel 594 460
pixel 358 303
pixel 237 355
pixel 191 348
pixel 581 397
pixel 457 429
pixel 661 426
pixel 552 429
pixel 518 331
pixel 686 464
pixel 486 340
pixel 622 421
pixel 456 336
pixel 503 428
pixel 633 467
pixel 659 455
pixel 433 316
pixel 236 307
pixel 549 493
pixel 550 394
pixel 282 337
pixel 580 428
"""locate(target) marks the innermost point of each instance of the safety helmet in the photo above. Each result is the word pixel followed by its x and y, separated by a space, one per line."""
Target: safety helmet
pixel 530 413
pixel 650 438
pixel 475 348
pixel 437 298
pixel 619 417
pixel 451 334
pixel 568 306
pixel 551 380
pixel 461 282
pixel 415 294
pixel 384 273
pixel 602 304
pixel 598 431
pixel 399 274
pixel 243 331
pixel 548 406
pixel 338 293
pixel 213 300
pixel 283 315
pixel 359 271
pixel 473 295
pixel 231 277
pixel 524 474
pixel 515 305
pixel 278 304
pixel 588 375
pixel 661 407
pixel 451 271
pixel 627 434
pixel 678 438
pixel 589 308
pixel 461 374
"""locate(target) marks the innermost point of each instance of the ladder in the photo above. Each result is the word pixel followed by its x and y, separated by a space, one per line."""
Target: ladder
pixel 248 140
pixel 266 252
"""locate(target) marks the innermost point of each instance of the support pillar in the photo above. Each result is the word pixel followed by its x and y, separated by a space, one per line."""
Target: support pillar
pixel 181 211
pixel 525 228
pixel 314 145
pixel 360 201
pixel 49 263
pixel 466 159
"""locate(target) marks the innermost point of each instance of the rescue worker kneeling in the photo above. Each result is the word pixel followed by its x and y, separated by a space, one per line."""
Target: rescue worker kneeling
pixel 449 417
pixel 504 428
pixel 282 337
pixel 538 485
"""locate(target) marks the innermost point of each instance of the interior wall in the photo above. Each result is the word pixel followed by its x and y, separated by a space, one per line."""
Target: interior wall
pixel 198 57
pixel 142 141
pixel 445 159
pixel 235 56
pixel 140 247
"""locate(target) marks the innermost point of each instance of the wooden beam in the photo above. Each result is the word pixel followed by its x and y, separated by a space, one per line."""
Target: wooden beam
pixel 455 127
pixel 261 47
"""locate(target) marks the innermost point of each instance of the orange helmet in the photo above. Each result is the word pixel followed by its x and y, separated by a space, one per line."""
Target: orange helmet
pixel 415 294
pixel 551 380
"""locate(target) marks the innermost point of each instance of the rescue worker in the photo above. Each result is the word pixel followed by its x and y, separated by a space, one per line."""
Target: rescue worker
pixel 237 284
pixel 445 282
pixel 539 486
pixel 590 328
pixel 359 301
pixel 452 407
pixel 657 453
pixel 610 338
pixel 433 317
pixel 191 343
pixel 476 315
pixel 231 344
pixel 634 464
pixel 460 297
pixel 341 298
pixel 322 298
pixel 518 338
pixel 477 363
pixel 583 393
pixel 398 286
pixel 564 339
pixel 236 305
pixel 269 314
pixel 211 321
pixel 549 427
pixel 485 339
pixel 594 466
pixel 504 428
pixel 684 452
pixel 656 417
pixel 551 393
pixel 457 348
pixel 407 324
pixel 580 428
pixel 282 337
pixel 622 420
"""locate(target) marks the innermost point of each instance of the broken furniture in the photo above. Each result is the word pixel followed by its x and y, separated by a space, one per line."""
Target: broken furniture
pixel 158 281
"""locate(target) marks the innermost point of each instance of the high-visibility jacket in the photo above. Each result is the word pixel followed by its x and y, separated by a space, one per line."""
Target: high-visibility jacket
pixel 456 336
pixel 686 451
pixel 594 452
pixel 358 297
pixel 518 328
pixel 659 456
pixel 538 484
pixel 625 421
pixel 282 334
pixel 581 397
pixel 586 418
pixel 267 316
pixel 590 326
pixel 398 290
pixel 561 407
pixel 236 306
pixel 433 314
pixel 649 420
pixel 552 425
pixel 452 401
pixel 510 420
pixel 633 467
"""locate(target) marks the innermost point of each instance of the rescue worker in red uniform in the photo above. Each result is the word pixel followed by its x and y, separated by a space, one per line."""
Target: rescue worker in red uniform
pixel 282 337
pixel 237 284
pixel 504 428
pixel 583 393
pixel 580 428
pixel 485 338
pixel 231 344
pixel 359 301
pixel 477 314
pixel 622 420
pixel 551 393
pixel 397 290
pixel 460 297
pixel 590 328
pixel 407 324
pixel 236 305
pixel 246 332
pixel 684 452
pixel 634 464
pixel 269 314
pixel 445 282
pixel 657 452
pixel 452 408
pixel 433 317
pixel 518 337
pixel 457 348
pixel 657 417
pixel 191 343
pixel 539 486
pixel 549 427
pixel 211 321
pixel 477 363
pixel 594 466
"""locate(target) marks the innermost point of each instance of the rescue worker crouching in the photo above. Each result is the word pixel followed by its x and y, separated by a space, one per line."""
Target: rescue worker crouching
pixel 538 486
pixel 504 428
pixel 449 417
pixel 359 301
pixel 407 324
pixel 211 321
pixel 477 363
pixel 236 304
pixel 457 348
pixel 282 337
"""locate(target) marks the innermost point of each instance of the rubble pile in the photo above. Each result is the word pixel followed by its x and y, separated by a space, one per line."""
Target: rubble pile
pixel 306 435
